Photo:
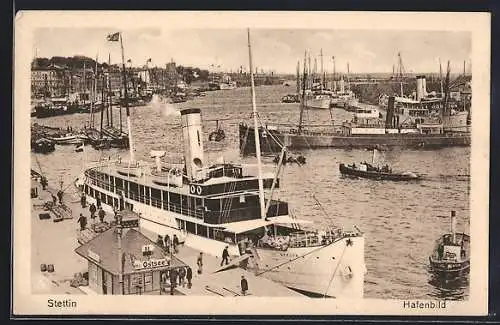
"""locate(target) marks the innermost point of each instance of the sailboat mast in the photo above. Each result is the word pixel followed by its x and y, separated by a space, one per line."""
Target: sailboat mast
pixel 84 82
pixel 302 102
pixel 322 71
pixel 131 143
pixel 441 77
pixel 256 133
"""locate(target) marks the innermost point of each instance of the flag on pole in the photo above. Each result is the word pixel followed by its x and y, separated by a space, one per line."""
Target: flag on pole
pixel 149 60
pixel 129 61
pixel 114 37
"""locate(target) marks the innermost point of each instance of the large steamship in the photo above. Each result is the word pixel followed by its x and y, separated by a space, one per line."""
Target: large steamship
pixel 211 206
pixel 421 123
pixel 218 205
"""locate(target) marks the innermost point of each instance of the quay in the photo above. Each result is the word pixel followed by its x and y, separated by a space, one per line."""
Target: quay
pixel 55 243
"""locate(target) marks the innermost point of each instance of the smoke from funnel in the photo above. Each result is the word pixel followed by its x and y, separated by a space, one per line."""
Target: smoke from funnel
pixel 166 109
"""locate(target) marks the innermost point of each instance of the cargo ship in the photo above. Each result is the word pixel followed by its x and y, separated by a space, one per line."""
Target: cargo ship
pixel 429 123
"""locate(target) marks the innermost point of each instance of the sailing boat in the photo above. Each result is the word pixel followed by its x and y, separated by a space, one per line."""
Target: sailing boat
pixel 367 170
pixel 211 206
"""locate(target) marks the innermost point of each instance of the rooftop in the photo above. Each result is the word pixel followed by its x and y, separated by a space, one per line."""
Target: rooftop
pixel 103 250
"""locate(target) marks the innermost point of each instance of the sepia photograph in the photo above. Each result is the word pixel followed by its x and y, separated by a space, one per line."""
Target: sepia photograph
pixel 251 163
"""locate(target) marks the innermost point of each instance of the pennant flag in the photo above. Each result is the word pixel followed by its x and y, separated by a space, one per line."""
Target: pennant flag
pixel 114 37
pixel 149 60
pixel 129 61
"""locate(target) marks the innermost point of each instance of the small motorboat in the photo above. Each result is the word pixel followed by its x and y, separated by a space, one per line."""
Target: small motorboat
pixel 367 170
pixel 451 253
pixel 290 98
pixel 298 159
pixel 79 147
pixel 42 145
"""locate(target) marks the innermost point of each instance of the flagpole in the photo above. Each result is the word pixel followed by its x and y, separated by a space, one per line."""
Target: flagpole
pixel 131 143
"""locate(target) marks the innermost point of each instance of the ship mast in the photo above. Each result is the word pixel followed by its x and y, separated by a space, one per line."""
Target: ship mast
pixel 322 71
pixel 131 143
pixel 302 101
pixel 256 133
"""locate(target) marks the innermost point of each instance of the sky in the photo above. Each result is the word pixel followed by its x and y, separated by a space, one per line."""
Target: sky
pixel 272 49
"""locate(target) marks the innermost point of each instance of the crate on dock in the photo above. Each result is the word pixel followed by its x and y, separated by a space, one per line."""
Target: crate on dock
pixel 44 216
pixel 62 212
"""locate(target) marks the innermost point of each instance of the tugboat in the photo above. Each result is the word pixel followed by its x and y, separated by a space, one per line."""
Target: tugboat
pixel 451 254
pixel 367 170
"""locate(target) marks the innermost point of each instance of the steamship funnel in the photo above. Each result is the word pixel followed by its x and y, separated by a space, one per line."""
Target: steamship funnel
pixel 193 143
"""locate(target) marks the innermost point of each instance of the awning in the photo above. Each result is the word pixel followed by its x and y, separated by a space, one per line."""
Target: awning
pixel 247 225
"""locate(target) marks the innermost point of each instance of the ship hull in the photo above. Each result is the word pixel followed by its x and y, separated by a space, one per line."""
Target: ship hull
pixel 312 140
pixel 318 103
pixel 335 270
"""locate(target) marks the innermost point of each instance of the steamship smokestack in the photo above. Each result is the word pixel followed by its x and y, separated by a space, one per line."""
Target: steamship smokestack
pixel 193 143
pixel 453 226
pixel 421 87
pixel 390 112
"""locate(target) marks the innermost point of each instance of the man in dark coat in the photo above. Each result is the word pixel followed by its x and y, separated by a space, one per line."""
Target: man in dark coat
pixel 189 276
pixel 60 196
pixel 83 200
pixel 225 256
pixel 44 182
pixel 92 210
pixel 159 241
pixel 101 215
pixel 173 280
pixel 167 243
pixel 199 262
pixel 244 285
pixel 98 201
pixel 82 221
pixel 175 242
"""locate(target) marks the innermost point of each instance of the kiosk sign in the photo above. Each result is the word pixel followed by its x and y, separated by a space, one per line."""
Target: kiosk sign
pixel 151 264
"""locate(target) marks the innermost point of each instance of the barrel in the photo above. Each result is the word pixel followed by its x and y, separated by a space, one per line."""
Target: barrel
pixel 50 268
pixel 43 267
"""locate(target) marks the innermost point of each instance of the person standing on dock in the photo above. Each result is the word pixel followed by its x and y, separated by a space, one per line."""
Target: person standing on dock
pixel 44 183
pixel 98 201
pixel 83 200
pixel 60 196
pixel 101 215
pixel 189 276
pixel 182 275
pixel 92 210
pixel 244 285
pixel 173 280
pixel 54 199
pixel 159 241
pixel 167 243
pixel 82 221
pixel 175 242
pixel 225 256
pixel 199 262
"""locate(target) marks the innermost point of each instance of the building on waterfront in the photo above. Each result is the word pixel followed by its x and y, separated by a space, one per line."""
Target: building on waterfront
pixel 123 250
pixel 50 81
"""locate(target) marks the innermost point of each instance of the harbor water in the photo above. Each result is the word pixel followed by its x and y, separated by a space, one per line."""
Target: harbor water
pixel 401 220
